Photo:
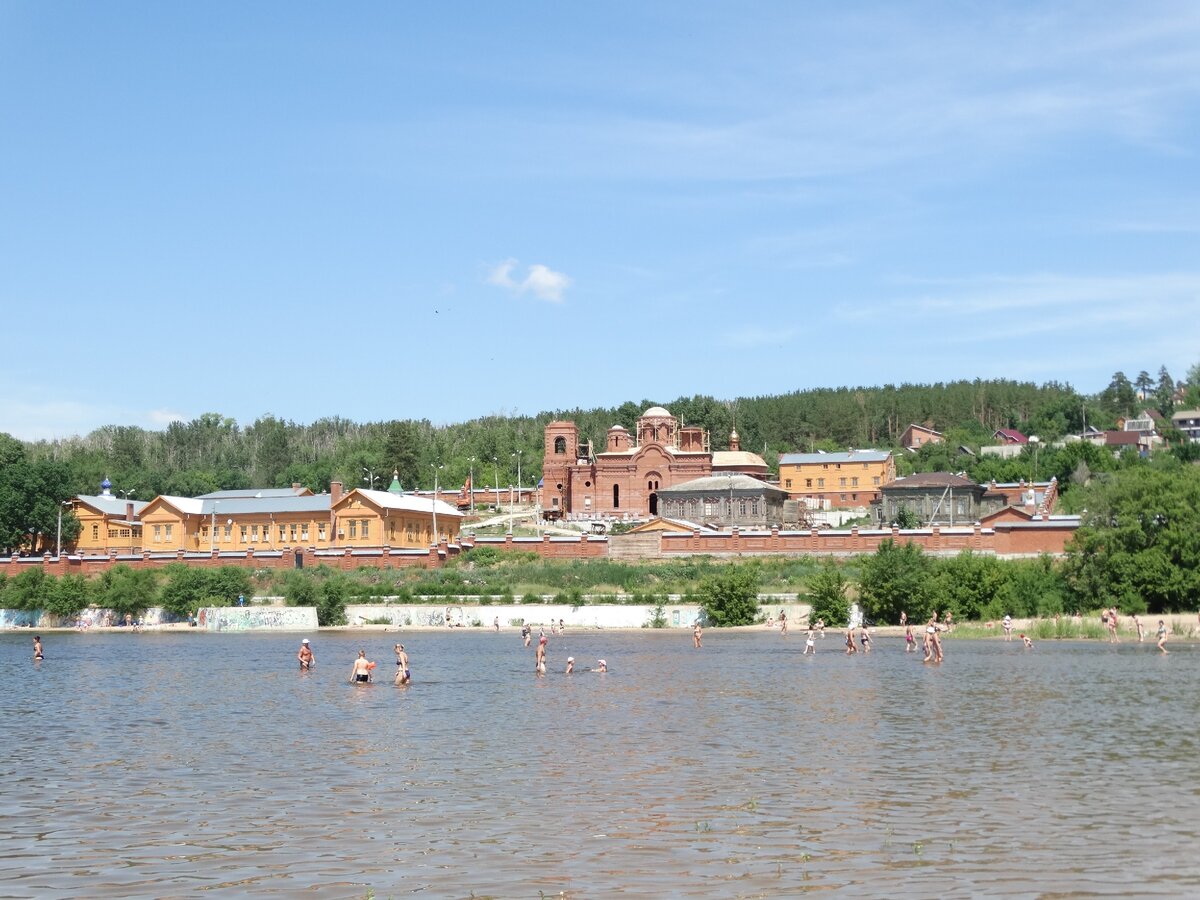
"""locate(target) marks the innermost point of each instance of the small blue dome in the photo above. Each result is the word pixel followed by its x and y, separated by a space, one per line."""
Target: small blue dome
pixel 105 484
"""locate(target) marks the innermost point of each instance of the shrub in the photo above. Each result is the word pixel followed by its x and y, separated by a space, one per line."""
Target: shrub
pixel 731 597
pixel 896 579
pixel 331 602
pixel 69 596
pixel 827 592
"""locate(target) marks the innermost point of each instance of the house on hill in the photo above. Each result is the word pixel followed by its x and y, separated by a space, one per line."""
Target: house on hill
pixel 917 436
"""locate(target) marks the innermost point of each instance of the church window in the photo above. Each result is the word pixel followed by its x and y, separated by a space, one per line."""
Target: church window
pixel 616 496
pixel 560 445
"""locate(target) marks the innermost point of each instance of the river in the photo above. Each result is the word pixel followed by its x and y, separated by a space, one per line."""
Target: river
pixel 186 764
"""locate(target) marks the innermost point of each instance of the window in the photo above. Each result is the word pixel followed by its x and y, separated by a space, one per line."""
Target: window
pixel 875 481
pixel 854 481
pixel 157 534
pixel 254 534
pixel 293 532
pixel 841 482
pixel 169 529
pixel 616 496
pixel 808 482
pixel 754 507
pixel 229 534
pixel 788 483
pixel 820 482
pixel 283 534
pixel 353 529
pixel 708 507
pixel 365 528
pixel 96 532
pixel 742 510
pixel 243 534
pixel 560 445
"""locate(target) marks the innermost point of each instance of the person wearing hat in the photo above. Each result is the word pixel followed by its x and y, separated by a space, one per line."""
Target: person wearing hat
pixel 570 664
pixel 306 655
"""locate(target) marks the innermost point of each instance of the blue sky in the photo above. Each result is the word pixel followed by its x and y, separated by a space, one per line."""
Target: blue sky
pixel 443 211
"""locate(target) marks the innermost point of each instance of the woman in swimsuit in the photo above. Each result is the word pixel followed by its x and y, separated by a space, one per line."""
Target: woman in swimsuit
pixel 910 642
pixel 1162 636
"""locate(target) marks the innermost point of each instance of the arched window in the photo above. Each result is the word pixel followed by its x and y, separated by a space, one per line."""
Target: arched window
pixel 616 496
pixel 560 445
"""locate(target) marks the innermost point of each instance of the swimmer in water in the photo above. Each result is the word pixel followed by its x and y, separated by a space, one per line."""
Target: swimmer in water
pixel 601 666
pixel 540 658
pixel 306 655
pixel 403 675
pixel 37 647
pixel 570 664
pixel 1027 641
pixel 360 673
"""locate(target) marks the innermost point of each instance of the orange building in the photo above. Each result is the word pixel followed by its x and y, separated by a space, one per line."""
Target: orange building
pixel 846 480
pixel 107 522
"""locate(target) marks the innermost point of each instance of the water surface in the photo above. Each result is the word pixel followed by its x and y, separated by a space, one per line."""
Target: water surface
pixel 179 765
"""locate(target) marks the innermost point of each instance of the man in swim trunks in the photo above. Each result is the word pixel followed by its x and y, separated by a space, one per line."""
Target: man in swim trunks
pixel 306 655
pixel 570 664
pixel 540 659
pixel 864 637
pixel 850 648
pixel 525 633
pixel 403 675
pixel 361 671
pixel 37 647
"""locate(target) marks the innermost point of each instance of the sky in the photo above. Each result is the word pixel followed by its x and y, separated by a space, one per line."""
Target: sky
pixel 450 210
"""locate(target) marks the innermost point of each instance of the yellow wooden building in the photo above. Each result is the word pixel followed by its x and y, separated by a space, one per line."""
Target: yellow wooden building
pixel 107 522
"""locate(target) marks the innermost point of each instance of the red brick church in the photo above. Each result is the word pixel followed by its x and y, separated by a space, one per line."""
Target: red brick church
pixel 624 479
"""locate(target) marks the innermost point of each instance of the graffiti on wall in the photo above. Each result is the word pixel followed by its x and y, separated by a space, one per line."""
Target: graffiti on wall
pixel 291 618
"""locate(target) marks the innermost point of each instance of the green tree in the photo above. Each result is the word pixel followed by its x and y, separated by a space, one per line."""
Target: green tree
pixel 827 592
pixel 894 579
pixel 730 597
pixel 1139 545
pixel 126 590
pixel 969 585
pixel 70 595
pixel 331 601
pixel 28 591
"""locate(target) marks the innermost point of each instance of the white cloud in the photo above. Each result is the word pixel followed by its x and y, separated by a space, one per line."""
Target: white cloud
pixel 541 281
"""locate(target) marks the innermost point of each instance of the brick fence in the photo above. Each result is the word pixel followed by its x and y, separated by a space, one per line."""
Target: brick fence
pixel 1045 534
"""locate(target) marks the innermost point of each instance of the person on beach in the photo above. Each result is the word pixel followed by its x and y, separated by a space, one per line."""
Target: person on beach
pixel 1141 632
pixel 697 634
pixel 1007 627
pixel 526 633
pixel 403 674
pixel 570 664
pixel 37 647
pixel 1162 636
pixel 497 623
pixel 1112 626
pixel 360 672
pixel 783 623
pixel 305 655
pixel 910 642
pixel 949 621
pixel 1027 641
pixel 864 638
pixel 850 648
pixel 809 643
pixel 562 627
pixel 540 658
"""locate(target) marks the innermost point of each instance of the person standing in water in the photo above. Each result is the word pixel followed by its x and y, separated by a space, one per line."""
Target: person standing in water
pixel 864 638
pixel 540 658
pixel 910 642
pixel 783 623
pixel 403 675
pixel 809 642
pixel 37 647
pixel 1141 632
pixel 526 631
pixel 850 648
pixel 360 673
pixel 697 633
pixel 570 664
pixel 1162 636
pixel 306 655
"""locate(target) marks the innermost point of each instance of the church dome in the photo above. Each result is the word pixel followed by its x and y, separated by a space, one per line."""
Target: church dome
pixel 656 411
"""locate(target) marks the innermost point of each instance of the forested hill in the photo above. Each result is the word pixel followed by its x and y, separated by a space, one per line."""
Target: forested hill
pixel 214 452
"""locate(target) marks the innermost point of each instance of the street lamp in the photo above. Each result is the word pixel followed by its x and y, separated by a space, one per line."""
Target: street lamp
pixel 369 477
pixel 213 533
pixel 127 494
pixel 471 481
pixel 433 505
pixel 58 540
pixel 1036 441
pixel 511 512
pixel 496 472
